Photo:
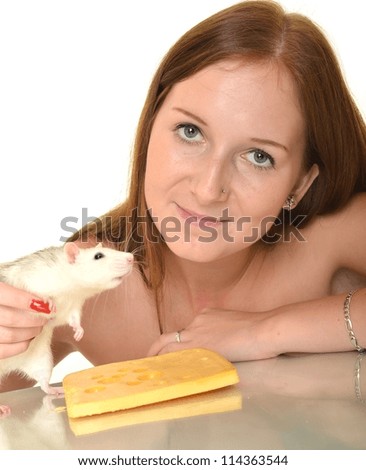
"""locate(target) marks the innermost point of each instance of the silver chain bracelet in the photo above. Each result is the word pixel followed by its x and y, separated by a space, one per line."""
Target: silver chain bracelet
pixel 348 321
pixel 358 392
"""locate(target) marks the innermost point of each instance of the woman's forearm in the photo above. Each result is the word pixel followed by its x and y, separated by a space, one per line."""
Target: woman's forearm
pixel 318 325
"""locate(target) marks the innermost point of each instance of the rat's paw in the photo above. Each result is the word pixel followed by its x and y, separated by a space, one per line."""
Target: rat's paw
pixel 46 387
pixel 51 305
pixel 55 391
pixel 4 411
pixel 78 332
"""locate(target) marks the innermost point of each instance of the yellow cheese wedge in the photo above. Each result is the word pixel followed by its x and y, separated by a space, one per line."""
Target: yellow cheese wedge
pixel 129 384
pixel 216 401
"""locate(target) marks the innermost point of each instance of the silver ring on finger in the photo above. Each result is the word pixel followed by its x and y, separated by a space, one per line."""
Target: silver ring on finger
pixel 178 338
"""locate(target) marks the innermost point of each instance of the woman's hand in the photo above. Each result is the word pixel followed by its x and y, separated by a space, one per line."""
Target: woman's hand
pixel 17 326
pixel 238 336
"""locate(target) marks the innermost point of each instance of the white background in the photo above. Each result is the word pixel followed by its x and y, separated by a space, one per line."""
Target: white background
pixel 74 74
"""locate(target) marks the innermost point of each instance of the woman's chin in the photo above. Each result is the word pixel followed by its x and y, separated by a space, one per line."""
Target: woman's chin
pixel 200 251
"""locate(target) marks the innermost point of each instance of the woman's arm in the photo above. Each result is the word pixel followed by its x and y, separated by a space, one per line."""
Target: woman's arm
pixel 318 325
pixel 314 326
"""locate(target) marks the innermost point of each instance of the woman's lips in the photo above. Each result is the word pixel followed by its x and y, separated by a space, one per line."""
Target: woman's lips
pixel 198 219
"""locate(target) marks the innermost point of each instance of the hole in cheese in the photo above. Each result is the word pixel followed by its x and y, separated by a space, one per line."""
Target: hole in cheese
pixel 110 380
pixel 154 374
pixel 94 389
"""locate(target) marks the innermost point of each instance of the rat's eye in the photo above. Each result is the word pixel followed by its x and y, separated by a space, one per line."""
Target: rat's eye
pixel 98 255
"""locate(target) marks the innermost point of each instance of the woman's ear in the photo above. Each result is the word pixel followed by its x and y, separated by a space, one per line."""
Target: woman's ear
pixel 304 183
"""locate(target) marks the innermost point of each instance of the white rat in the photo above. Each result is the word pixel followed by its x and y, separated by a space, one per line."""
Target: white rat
pixel 64 277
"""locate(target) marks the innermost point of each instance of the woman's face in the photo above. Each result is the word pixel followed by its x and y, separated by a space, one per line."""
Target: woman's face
pixel 225 152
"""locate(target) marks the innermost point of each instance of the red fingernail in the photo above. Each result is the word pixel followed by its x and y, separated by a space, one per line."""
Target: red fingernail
pixel 39 306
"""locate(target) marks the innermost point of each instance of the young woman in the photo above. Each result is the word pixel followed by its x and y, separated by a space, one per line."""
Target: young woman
pixel 246 205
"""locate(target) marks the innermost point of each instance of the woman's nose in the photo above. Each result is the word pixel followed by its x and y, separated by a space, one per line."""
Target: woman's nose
pixel 211 183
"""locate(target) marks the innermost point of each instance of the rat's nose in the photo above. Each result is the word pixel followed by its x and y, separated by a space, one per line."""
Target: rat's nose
pixel 129 258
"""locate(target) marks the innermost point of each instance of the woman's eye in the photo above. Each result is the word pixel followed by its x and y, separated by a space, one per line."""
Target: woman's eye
pixel 260 159
pixel 189 133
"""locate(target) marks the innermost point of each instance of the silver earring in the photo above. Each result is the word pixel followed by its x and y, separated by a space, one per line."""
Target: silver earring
pixel 290 201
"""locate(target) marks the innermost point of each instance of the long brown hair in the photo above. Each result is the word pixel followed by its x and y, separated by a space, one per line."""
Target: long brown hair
pixel 253 30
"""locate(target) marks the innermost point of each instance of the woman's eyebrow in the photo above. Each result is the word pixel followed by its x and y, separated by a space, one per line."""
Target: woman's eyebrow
pixel 269 142
pixel 191 115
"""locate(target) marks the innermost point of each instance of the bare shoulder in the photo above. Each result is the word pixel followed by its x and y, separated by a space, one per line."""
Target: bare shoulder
pixel 342 235
pixel 349 222
pixel 355 209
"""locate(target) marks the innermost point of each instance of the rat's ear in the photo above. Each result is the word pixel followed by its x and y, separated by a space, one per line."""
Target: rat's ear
pixel 71 250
